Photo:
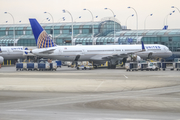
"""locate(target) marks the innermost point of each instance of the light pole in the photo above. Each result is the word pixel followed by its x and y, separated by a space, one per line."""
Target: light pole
pixel 114 21
pixel 136 23
pixel 44 20
pixel 176 8
pixel 61 19
pixel 65 11
pixel 77 18
pixel 145 21
pixel 92 22
pixel 53 24
pixel 13 25
pixel 168 15
pixel 128 18
pixel 166 18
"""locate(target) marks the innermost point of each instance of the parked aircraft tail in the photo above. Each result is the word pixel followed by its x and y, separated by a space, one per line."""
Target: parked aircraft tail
pixel 143 48
pixel 43 40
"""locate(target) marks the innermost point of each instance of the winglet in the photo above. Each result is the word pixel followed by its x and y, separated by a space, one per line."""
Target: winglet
pixel 143 48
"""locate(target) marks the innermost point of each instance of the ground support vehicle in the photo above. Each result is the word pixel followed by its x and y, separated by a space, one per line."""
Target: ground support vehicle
pixel 24 66
pixel 47 66
pixel 176 66
pixel 142 66
pixel 85 67
pixel 19 66
pixel 131 66
pixel 58 63
pixel 53 66
pixel 167 65
pixel 81 67
pixel 41 66
pixel 88 67
pixel 153 66
pixel 35 66
pixel 30 66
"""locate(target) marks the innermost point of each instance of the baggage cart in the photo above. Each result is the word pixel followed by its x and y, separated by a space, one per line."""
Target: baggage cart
pixel 142 66
pixel 131 66
pixel 35 66
pixel 24 66
pixel 41 66
pixel 47 66
pixel 58 63
pixel 19 66
pixel 30 66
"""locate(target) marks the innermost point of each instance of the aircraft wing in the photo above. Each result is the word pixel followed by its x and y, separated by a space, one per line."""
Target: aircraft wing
pixel 116 56
pixel 108 57
pixel 47 51
pixel 42 51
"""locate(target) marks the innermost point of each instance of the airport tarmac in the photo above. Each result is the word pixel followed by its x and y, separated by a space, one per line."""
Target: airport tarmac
pixel 100 94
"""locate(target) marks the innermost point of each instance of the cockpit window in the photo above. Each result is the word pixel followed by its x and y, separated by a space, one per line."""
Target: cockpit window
pixel 166 48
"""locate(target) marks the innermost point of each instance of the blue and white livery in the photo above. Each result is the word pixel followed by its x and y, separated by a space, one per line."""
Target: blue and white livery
pixel 97 53
pixel 41 37
pixel 10 52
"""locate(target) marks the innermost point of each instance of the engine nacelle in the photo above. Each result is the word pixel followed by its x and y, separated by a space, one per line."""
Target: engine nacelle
pixel 1 60
pixel 134 58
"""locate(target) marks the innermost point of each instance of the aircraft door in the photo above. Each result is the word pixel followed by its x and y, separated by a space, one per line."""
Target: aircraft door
pixel 60 51
pixel 83 52
pixel 5 51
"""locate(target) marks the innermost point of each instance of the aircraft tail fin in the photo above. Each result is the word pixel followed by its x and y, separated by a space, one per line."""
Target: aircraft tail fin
pixel 143 48
pixel 43 40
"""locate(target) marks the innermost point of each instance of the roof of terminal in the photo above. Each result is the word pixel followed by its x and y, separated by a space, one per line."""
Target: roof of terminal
pixel 169 32
pixel 67 25
pixel 4 26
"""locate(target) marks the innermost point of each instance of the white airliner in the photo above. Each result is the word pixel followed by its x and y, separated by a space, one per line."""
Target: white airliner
pixel 96 53
pixel 10 52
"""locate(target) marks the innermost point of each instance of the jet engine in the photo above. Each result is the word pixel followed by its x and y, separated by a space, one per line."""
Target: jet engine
pixel 1 60
pixel 134 58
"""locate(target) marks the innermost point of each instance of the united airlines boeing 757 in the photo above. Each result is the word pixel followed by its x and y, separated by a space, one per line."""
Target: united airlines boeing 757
pixel 10 52
pixel 97 53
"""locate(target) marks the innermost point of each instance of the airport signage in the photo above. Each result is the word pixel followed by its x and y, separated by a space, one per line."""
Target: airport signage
pixel 17 48
pixel 153 47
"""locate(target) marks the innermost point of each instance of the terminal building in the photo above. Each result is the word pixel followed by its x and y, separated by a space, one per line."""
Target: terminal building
pixel 83 34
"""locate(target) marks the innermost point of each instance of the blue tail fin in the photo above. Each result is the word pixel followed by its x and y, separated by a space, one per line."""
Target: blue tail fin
pixel 143 48
pixel 40 35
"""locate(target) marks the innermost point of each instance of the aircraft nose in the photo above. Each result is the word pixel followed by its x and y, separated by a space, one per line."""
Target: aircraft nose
pixel 169 53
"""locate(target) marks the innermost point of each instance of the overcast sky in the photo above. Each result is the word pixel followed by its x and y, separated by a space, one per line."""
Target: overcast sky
pixel 24 9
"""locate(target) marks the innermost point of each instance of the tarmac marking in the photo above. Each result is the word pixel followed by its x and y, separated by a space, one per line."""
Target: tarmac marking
pixel 132 119
pixel 125 76
pixel 16 110
pixel 99 85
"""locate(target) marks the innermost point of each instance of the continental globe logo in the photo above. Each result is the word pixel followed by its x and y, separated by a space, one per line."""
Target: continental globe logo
pixel 44 41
